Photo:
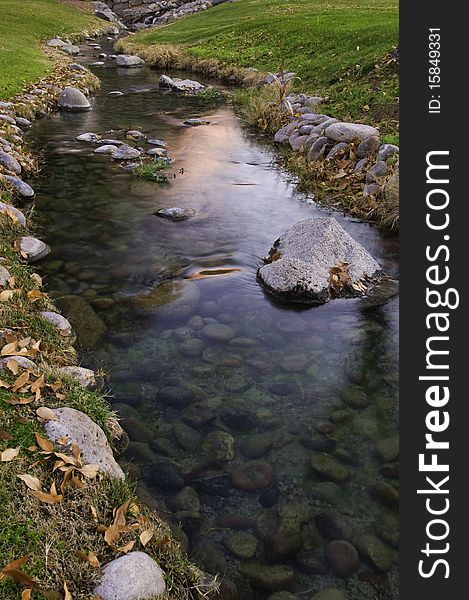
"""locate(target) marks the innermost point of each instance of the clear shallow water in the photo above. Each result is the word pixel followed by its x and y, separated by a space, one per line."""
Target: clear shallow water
pixel 189 359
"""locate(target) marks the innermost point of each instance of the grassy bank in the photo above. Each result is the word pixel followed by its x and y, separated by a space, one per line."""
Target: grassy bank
pixel 24 24
pixel 338 49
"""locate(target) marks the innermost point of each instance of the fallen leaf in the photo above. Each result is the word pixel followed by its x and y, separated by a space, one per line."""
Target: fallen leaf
pixel 4 384
pixel 35 295
pixel 48 498
pixel 26 594
pixel 127 548
pixel 20 401
pixel 16 564
pixel 93 559
pixel 21 381
pixel 68 595
pixel 32 482
pixel 146 536
pixel 4 435
pixel 39 383
pixel 46 445
pixel 9 454
pixel 13 366
pixel 89 471
pixel 6 295
pixel 37 278
pixel 46 413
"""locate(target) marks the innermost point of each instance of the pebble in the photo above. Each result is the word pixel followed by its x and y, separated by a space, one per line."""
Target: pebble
pixel 342 557
pixel 191 348
pixel 187 438
pixel 243 545
pixel 373 550
pixel 330 594
pixel 388 449
pixel 267 577
pixel 252 476
pixel 218 332
pixel 255 445
pixel 234 521
pixel 328 468
pixel 105 149
pixel 125 152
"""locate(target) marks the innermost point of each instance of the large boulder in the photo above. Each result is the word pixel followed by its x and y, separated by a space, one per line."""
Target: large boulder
pixel 128 61
pixel 19 186
pixel 135 576
pixel 317 260
pixel 10 163
pixel 181 85
pixel 79 429
pixel 73 99
pixel 349 132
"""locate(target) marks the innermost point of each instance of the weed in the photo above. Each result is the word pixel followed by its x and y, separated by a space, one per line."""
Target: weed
pixel 153 171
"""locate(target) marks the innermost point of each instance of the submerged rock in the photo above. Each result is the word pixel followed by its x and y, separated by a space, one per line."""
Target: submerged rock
pixel 86 323
pixel 267 577
pixel 73 99
pixel 135 576
pixel 176 213
pixel 79 429
pixel 302 261
pixel 174 298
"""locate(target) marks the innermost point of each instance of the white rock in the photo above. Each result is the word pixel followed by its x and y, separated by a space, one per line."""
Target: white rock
pixel 105 149
pixel 84 376
pixel 33 248
pixel 348 132
pixel 128 61
pixel 302 258
pixel 58 321
pixel 87 137
pixel 5 275
pixel 89 437
pixel 135 576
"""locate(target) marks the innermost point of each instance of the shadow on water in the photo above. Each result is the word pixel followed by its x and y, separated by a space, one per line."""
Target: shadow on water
pixel 211 374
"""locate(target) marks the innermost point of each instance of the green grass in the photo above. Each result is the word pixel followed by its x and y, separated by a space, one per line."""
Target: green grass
pixel 24 24
pixel 337 48
pixel 153 171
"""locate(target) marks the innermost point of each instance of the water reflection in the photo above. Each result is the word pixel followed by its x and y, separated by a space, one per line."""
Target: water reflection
pixel 262 431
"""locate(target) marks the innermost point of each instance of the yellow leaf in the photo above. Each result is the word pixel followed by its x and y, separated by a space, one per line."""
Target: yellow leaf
pixel 68 595
pixel 89 471
pixel 93 559
pixel 127 548
pixel 39 383
pixel 6 295
pixel 9 454
pixel 46 414
pixel 146 536
pixel 13 366
pixel 35 295
pixel 33 483
pixel 26 594
pixel 48 498
pixel 46 445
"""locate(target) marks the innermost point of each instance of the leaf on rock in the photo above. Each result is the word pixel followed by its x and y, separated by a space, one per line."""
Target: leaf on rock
pixel 46 414
pixel 89 471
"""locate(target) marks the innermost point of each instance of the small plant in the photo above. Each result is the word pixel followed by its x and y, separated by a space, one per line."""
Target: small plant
pixel 211 95
pixel 153 171
pixel 281 82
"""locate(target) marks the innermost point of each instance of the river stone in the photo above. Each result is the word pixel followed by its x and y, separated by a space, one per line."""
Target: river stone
pixel 33 248
pixel 10 163
pixel 176 395
pixel 70 49
pixel 191 348
pixel 267 577
pixel 58 321
pixel 241 544
pixel 91 439
pixel 173 299
pixel 76 67
pixel 7 119
pixel 219 446
pixel 8 208
pixel 368 147
pixel 115 93
pixel 21 361
pixel 255 445
pixel 133 134
pixel 85 377
pixel 105 149
pixel 73 99
pixel 187 500
pixel 166 474
pixel 282 596
pixel 187 438
pixel 342 557
pixel 349 132
pixel 23 189
pixel 128 61
pixel 176 213
pixel 388 449
pixel 377 171
pixel 300 261
pixel 218 332
pixel 156 142
pixel 87 137
pixel 252 476
pixel 134 576
pixel 158 153
pixel 55 43
pixel 88 327
pixel 373 550
pixel 386 151
pixel 318 148
pixel 125 152
pixel 329 468
pixel 339 148
pixel 329 594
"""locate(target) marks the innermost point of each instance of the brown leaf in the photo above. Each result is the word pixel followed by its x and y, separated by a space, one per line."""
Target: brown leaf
pixel 78 483
pixel 20 401
pixel 94 513
pixel 21 578
pixel 68 595
pixel 9 454
pixel 33 483
pixel 21 381
pixel 5 384
pixel 46 445
pixel 13 366
pixel 39 383
pixel 6 295
pixel 48 498
pixel 127 547
pixel 93 559
pixel 69 460
pixel 26 594
pixel 89 471
pixel 46 414
pixel 16 564
pixel 146 536
pixel 35 295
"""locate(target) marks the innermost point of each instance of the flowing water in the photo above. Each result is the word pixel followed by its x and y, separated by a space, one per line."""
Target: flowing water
pixel 209 374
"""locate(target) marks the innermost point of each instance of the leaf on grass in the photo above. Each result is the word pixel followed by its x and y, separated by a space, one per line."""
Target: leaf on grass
pixel 21 381
pixel 38 384
pixel 32 482
pixel 6 295
pixel 127 547
pixel 37 278
pixel 46 445
pixel 16 564
pixel 9 454
pixel 20 578
pixel 67 594
pixel 35 295
pixel 48 498
pixel 94 513
pixel 46 414
pixel 20 401
pixel 26 594
pixel 93 559
pixel 146 536
pixel 4 384
pixel 89 471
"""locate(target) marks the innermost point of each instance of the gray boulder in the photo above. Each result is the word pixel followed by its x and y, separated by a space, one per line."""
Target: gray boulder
pixel 301 263
pixel 135 576
pixel 125 152
pixel 8 208
pixel 55 43
pixel 105 149
pixel 58 321
pixel 33 249
pixel 84 377
pixel 127 61
pixel 73 99
pixel 70 49
pixel 176 213
pixel 180 85
pixel 386 151
pixel 23 189
pixel 10 163
pixel 79 429
pixel 349 132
